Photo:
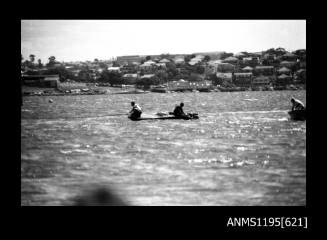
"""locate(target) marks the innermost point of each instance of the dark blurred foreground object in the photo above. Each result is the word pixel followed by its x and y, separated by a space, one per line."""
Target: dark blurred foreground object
pixel 100 196
pixel 298 115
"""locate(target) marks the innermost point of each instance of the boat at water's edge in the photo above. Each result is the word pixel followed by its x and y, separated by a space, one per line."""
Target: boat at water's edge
pixel 297 115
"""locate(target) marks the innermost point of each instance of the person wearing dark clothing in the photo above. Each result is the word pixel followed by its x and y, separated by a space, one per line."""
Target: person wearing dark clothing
pixel 136 111
pixel 178 111
pixel 297 104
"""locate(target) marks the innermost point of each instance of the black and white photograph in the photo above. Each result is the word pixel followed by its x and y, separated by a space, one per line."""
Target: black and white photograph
pixel 163 112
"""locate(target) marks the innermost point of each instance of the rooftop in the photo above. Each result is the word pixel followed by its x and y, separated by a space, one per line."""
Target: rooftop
pixel 148 76
pixel 230 59
pixel 243 74
pixel 264 67
pixel 247 68
pixel 284 76
pixel 283 69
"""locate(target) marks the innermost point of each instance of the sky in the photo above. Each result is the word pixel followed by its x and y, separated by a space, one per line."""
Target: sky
pixel 80 40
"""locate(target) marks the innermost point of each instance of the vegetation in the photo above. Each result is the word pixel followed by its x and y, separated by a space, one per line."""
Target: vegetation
pixel 63 73
pixel 96 70
pixel 111 77
pixel 52 61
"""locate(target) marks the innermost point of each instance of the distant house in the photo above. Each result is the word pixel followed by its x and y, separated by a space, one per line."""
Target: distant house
pixel 247 69
pixel 179 85
pixel 210 69
pixel 212 55
pixel 250 61
pixel 289 57
pixel 213 65
pixel 232 60
pixel 284 70
pixel 199 56
pixel 239 55
pixel 194 61
pixel 261 81
pixel 242 79
pixel 164 60
pixel 269 56
pixel 147 76
pixel 161 65
pixel 283 80
pixel 179 60
pixel 225 67
pixel 263 70
pixel 202 85
pixel 150 62
pixel 114 69
pixel 225 77
pixel 123 60
pixel 130 78
pixel 288 64
pixel 75 72
pixel 129 68
pixel 57 65
pixel 51 81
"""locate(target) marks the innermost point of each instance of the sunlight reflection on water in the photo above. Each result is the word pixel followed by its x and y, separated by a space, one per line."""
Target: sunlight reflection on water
pixel 228 157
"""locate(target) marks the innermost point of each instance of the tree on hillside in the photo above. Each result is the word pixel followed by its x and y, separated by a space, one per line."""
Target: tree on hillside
pixel 162 76
pixel 206 58
pixel 171 70
pixel 225 55
pixel 111 77
pixel 280 51
pixel 215 80
pixel 26 63
pixel 39 63
pixel 187 58
pixel 199 69
pixel 147 58
pixel 165 55
pixel 52 61
pixel 63 73
pixel 103 65
pixel 32 58
pixel 84 75
pixel 147 82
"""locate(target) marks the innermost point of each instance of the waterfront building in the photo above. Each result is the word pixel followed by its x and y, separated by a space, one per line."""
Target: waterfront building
pixel 261 80
pixel 263 70
pixel 242 79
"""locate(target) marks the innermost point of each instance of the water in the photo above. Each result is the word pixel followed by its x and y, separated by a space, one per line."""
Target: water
pixel 243 150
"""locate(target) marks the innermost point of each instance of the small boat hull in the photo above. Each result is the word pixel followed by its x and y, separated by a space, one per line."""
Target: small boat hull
pixel 189 116
pixel 298 115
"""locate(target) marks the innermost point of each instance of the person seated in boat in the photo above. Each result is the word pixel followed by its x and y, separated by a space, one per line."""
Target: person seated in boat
pixel 135 112
pixel 297 104
pixel 178 111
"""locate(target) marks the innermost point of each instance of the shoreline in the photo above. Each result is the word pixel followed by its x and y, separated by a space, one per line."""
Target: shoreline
pixel 55 92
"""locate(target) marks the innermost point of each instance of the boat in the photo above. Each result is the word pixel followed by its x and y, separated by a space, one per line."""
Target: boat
pixel 189 116
pixel 297 115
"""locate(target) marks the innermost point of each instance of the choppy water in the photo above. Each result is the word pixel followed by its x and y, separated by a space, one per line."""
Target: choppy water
pixel 242 151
